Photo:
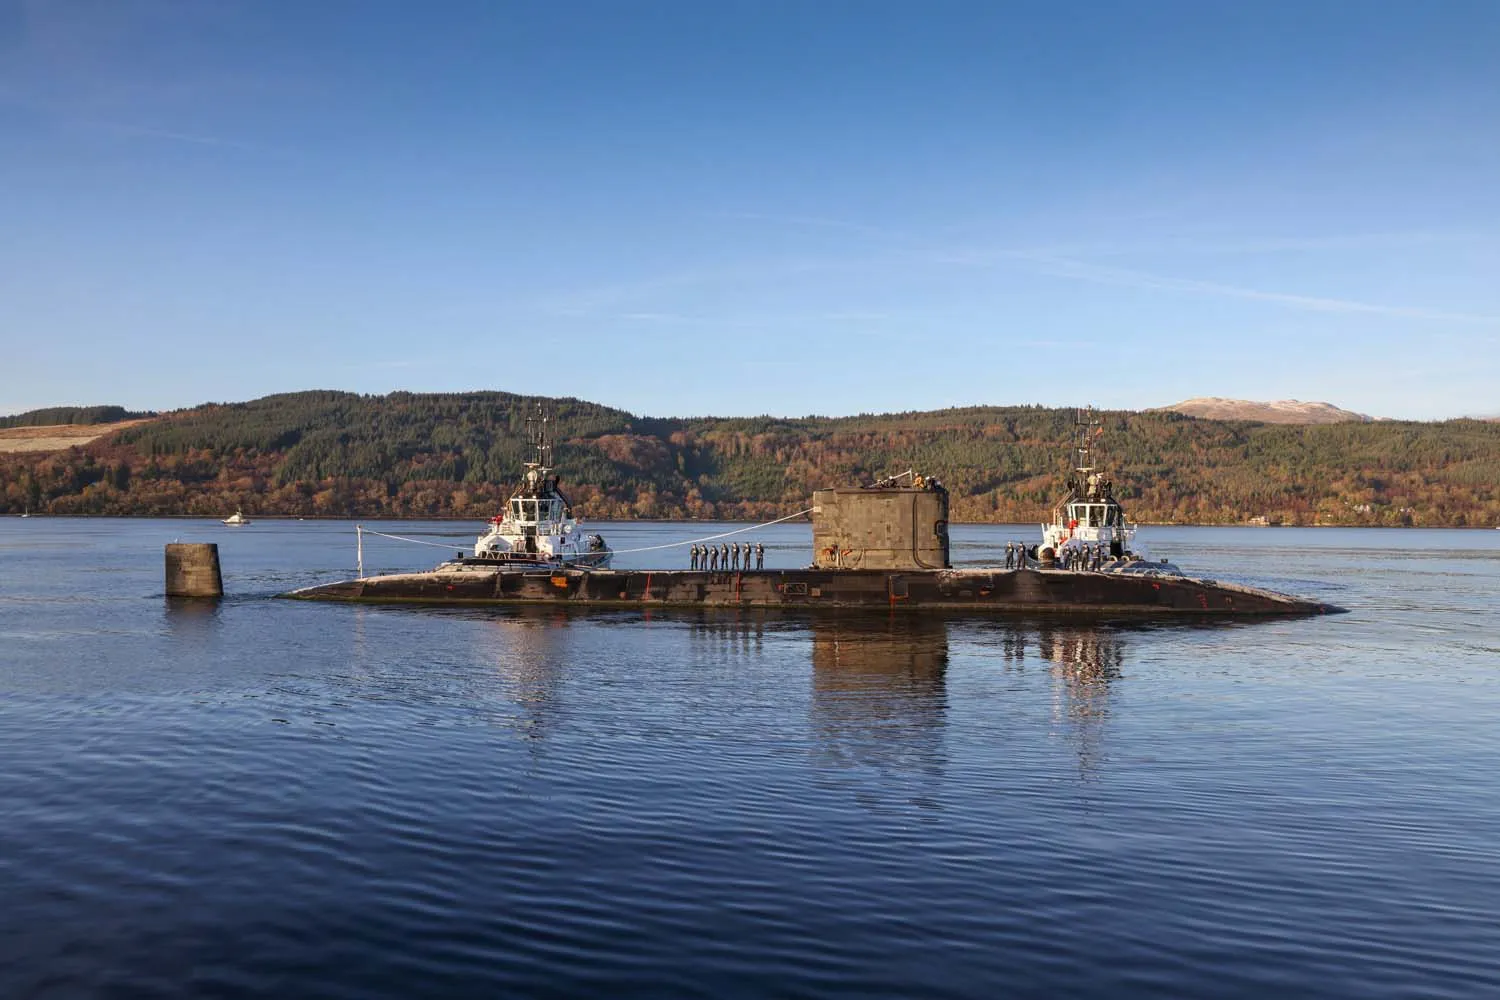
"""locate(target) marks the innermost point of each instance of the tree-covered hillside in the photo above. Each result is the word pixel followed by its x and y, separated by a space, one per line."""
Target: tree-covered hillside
pixel 54 415
pixel 335 453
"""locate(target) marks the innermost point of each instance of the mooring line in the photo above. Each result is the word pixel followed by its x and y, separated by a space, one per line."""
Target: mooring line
pixel 403 538
pixel 712 538
pixel 617 552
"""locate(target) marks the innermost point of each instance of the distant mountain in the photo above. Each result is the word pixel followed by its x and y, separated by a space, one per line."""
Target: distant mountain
pixel 1281 411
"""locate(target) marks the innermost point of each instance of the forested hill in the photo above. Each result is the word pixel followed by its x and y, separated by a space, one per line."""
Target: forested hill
pixel 78 415
pixel 334 453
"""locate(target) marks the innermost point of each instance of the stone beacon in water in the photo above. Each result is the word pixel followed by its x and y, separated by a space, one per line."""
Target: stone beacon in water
pixel 883 546
pixel 192 570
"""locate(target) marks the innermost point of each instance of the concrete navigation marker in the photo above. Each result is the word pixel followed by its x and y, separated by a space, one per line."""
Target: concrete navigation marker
pixel 193 570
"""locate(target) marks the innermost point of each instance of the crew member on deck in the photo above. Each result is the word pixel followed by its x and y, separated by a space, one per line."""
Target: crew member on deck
pixel 760 555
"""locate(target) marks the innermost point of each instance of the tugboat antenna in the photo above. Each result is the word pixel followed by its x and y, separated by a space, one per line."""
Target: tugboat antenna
pixel 536 427
pixel 1084 427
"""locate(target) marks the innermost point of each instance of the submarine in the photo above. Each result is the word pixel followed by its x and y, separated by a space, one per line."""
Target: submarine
pixel 880 546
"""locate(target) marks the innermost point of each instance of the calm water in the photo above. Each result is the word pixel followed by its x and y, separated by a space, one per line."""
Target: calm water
pixel 269 798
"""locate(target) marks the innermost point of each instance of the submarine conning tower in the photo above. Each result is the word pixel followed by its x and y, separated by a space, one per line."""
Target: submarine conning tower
pixel 883 526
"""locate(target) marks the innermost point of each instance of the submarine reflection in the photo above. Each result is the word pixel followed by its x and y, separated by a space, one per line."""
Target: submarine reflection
pixel 879 694
pixel 880 687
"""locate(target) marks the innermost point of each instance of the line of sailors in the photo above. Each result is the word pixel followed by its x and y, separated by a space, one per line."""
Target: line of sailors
pixel 1084 557
pixel 727 556
pixel 1079 557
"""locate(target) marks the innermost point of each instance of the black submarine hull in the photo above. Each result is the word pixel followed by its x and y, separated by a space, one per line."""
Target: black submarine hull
pixel 1021 591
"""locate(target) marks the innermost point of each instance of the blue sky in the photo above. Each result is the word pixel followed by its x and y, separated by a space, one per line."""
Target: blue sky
pixel 738 208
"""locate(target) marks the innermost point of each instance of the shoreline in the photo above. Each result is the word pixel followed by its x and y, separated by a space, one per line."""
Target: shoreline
pixel 450 519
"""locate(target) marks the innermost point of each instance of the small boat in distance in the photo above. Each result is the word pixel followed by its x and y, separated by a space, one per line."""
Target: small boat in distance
pixel 537 530
pixel 237 519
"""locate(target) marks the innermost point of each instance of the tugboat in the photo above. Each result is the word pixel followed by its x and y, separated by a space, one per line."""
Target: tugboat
pixel 1088 525
pixel 537 529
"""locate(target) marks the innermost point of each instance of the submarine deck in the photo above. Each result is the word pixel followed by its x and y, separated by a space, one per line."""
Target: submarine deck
pixel 1014 591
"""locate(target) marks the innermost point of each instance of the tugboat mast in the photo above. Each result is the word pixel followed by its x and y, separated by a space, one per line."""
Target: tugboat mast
pixel 537 430
pixel 1085 428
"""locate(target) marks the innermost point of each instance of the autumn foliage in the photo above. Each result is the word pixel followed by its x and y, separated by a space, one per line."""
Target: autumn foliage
pixel 458 455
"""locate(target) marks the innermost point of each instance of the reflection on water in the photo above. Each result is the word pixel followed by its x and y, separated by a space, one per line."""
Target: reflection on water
pixel 193 625
pixel 529 650
pixel 190 615
pixel 725 635
pixel 1085 661
pixel 879 692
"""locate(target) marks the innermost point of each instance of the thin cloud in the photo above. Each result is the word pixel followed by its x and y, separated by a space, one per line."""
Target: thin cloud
pixel 1194 246
pixel 591 302
pixel 1123 277
pixel 817 222
pixel 104 66
pixel 1061 262
pixel 657 317
pixel 141 131
pixel 739 322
